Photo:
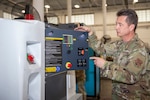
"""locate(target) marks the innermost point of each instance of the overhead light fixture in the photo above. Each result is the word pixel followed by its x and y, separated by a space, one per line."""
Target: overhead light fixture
pixel 76 6
pixel 135 1
pixel 47 6
pixel 23 11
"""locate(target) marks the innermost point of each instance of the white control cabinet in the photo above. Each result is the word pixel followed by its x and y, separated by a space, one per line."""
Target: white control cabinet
pixel 22 60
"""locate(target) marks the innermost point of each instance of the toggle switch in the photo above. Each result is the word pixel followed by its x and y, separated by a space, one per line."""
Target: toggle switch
pixel 81 51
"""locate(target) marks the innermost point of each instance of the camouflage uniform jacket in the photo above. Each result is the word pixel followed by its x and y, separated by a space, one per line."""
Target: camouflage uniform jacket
pixel 128 70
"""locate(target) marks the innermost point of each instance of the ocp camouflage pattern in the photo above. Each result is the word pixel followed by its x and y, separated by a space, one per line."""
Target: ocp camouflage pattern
pixel 129 69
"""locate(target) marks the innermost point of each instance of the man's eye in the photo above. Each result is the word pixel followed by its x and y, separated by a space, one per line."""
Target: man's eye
pixel 120 24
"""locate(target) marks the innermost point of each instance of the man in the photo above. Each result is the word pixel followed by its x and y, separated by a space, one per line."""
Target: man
pixel 128 70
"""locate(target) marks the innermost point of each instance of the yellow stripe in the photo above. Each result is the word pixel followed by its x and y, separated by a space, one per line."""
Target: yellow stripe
pixel 74 39
pixel 50 69
pixel 53 38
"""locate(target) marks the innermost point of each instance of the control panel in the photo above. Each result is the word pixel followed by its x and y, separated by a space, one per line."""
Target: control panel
pixel 65 50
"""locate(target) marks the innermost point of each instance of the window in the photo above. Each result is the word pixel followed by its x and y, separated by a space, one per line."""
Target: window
pixel 148 15
pixel 6 15
pixel 143 15
pixel 53 20
pixel 87 19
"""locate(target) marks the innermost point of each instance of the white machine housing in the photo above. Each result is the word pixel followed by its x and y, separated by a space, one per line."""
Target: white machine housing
pixel 20 79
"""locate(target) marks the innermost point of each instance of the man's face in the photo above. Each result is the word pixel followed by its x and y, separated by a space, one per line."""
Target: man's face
pixel 122 28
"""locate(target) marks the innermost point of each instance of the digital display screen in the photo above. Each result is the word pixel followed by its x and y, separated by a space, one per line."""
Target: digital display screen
pixel 67 39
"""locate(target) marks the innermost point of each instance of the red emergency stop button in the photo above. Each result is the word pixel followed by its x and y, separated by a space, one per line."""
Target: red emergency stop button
pixel 68 65
pixel 30 58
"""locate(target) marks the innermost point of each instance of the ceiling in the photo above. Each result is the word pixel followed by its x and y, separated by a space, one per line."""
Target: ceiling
pixel 59 5
pixel 62 4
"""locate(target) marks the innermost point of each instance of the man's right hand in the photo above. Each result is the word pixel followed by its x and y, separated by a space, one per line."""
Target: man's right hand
pixel 84 29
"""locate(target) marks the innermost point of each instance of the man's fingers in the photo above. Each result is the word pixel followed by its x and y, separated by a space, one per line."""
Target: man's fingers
pixel 80 29
pixel 93 58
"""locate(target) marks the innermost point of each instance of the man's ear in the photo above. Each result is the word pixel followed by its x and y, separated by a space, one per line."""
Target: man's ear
pixel 132 26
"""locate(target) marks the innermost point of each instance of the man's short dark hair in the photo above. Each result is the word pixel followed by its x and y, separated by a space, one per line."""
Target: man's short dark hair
pixel 132 17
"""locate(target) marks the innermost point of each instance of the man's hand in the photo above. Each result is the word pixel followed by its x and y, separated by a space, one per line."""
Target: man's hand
pixel 84 29
pixel 99 62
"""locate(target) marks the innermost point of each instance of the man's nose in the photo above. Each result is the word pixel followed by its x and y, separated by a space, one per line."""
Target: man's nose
pixel 116 27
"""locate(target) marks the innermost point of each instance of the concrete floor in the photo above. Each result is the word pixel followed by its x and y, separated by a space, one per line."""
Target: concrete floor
pixel 91 98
